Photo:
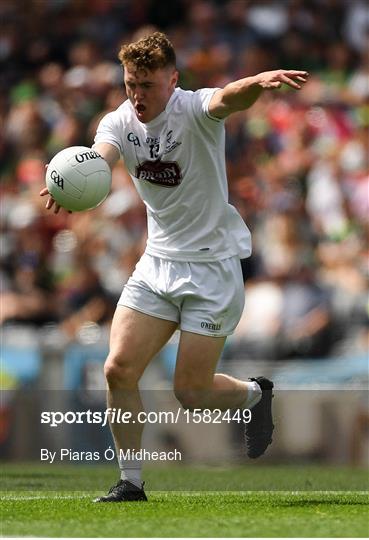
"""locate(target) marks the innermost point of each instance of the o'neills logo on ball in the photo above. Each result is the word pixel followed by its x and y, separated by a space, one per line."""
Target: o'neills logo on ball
pixel 161 173
pixel 85 156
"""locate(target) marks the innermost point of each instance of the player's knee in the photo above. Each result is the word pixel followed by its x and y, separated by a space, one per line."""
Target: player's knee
pixel 189 398
pixel 120 373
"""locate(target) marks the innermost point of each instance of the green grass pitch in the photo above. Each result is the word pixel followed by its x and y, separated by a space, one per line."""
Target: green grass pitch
pixel 40 500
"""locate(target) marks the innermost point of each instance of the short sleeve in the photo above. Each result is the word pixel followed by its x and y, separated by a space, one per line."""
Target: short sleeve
pixel 200 105
pixel 108 132
pixel 201 121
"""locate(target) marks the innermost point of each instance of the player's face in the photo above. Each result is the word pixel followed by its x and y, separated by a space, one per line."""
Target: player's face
pixel 149 91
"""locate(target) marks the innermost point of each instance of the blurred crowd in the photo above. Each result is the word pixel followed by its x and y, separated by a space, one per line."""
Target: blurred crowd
pixel 297 162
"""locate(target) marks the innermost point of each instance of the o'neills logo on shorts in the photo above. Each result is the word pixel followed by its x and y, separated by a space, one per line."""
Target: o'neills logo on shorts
pixel 161 173
pixel 210 326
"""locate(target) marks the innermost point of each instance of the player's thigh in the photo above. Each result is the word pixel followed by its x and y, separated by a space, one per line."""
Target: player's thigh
pixel 207 317
pixel 215 303
pixel 197 359
pixel 136 337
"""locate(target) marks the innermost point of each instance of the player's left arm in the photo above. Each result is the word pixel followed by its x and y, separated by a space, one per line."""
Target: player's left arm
pixel 107 151
pixel 240 95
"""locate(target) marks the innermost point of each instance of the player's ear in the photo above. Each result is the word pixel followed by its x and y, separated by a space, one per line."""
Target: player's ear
pixel 174 78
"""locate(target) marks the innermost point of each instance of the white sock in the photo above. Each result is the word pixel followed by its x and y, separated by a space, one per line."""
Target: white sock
pixel 131 470
pixel 254 393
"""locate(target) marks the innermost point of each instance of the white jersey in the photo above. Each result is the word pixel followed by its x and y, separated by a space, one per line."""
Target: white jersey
pixel 177 164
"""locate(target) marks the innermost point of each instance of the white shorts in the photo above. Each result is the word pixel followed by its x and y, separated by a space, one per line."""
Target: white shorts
pixel 202 297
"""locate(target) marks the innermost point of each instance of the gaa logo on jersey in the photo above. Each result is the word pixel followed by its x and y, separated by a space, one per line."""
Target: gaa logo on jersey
pixel 160 173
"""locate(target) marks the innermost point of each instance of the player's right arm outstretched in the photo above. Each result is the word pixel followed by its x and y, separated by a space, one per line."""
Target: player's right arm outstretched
pixel 107 151
pixel 240 95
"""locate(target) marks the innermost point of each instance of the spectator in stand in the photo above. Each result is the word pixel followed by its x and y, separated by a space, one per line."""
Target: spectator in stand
pixel 282 154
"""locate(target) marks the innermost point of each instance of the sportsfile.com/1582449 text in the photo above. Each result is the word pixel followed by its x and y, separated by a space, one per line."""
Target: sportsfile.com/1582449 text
pixel 118 416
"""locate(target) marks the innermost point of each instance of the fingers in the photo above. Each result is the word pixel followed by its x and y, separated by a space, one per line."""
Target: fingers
pixel 49 203
pixel 295 73
pixel 293 78
pixel 290 82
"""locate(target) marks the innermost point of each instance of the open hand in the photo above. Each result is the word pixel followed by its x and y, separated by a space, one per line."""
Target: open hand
pixel 274 79
pixel 50 201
